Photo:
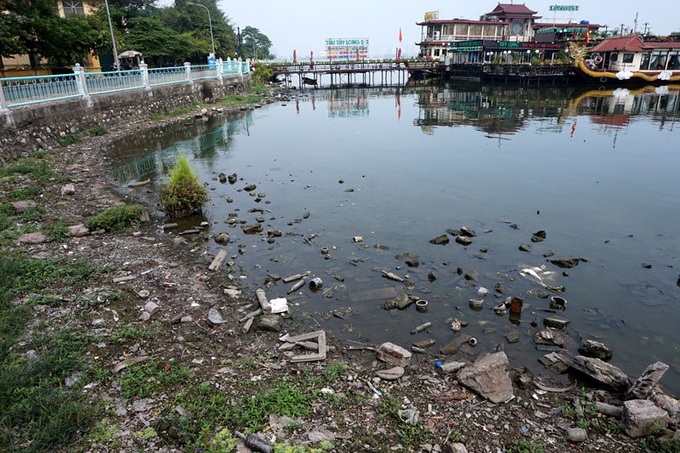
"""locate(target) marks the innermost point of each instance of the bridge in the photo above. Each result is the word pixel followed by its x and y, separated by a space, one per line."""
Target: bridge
pixel 353 73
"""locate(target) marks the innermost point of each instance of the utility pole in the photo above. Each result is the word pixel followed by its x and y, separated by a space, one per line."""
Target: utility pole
pixel 635 24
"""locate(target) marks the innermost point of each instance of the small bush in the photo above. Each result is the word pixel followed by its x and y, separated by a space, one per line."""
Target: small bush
pixel 183 195
pixel 117 219
pixel 98 130
pixel 69 139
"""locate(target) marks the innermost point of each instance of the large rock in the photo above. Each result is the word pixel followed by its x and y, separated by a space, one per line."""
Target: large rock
pixel 592 348
pixel 672 408
pixel 642 418
pixel 602 372
pixel 488 377
pixel 393 354
pixel 33 238
pixel 643 386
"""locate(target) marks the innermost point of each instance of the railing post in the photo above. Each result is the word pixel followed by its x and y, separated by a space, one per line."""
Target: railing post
pixel 220 69
pixel 3 101
pixel 187 69
pixel 145 75
pixel 81 81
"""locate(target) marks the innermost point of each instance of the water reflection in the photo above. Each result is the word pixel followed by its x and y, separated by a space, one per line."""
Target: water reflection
pixel 504 161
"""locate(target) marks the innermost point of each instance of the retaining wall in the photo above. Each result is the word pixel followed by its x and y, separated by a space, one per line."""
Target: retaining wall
pixel 42 126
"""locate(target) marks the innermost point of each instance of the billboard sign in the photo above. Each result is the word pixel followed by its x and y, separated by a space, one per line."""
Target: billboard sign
pixel 347 49
pixel 432 15
pixel 563 7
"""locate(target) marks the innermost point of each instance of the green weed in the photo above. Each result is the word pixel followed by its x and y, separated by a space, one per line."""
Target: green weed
pixel 58 230
pixel 25 193
pixel 183 194
pixel 117 218
pixel 334 371
pixel 98 130
pixel 143 379
pixel 69 139
pixel 532 445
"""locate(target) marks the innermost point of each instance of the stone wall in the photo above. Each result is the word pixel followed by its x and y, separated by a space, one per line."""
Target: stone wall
pixel 47 126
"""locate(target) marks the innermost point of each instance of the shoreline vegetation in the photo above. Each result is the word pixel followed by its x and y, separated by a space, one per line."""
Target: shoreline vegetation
pixel 107 343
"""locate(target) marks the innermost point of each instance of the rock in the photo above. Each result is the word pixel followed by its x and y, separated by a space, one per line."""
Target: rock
pixel 23 205
pixel 471 275
pixel 33 238
pixel 577 434
pixel 68 189
pixel 431 276
pixel 512 337
pixel 451 367
pixel 555 322
pixel 525 247
pixel 271 323
pixel 393 354
pixel 78 230
pixel 556 362
pixel 222 177
pixel 222 238
pixel 145 316
pixel 469 232
pixel 410 259
pixel 646 265
pixel 567 262
pixel 539 236
pixel 409 416
pixel 644 385
pixel 439 240
pixel 602 372
pixel 672 408
pixel 591 348
pixel 487 376
pixel 642 418
pixel 392 374
pixel 549 337
pixel 453 346
pixel 401 302
pixel 463 240
pixel 232 178
pixel 476 304
pixel 456 447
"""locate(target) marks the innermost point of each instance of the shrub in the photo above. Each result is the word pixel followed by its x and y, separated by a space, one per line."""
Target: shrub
pixel 183 195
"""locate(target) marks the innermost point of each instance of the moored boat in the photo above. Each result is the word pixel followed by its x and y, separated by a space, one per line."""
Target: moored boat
pixel 629 60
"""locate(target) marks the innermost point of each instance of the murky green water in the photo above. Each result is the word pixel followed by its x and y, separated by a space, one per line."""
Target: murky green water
pixel 598 171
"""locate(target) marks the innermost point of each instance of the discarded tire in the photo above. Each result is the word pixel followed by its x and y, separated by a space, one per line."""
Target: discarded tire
pixel 421 305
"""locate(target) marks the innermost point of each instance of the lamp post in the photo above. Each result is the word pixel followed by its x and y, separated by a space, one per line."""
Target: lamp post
pixel 113 38
pixel 212 40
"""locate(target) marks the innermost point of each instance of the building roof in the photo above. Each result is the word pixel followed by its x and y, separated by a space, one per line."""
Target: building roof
pixel 461 21
pixel 538 25
pixel 511 9
pixel 623 43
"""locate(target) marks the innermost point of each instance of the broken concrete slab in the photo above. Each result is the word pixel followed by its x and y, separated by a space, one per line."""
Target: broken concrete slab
pixel 396 355
pixel 602 372
pixel 488 377
pixel 645 384
pixel 642 418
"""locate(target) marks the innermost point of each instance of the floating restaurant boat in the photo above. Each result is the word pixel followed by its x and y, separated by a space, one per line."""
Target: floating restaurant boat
pixel 629 60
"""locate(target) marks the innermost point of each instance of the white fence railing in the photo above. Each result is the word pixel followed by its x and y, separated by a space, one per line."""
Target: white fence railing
pixel 20 91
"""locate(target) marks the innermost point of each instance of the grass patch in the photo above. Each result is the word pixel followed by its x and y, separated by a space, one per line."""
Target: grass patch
pixel 98 130
pixel 144 379
pixel 117 218
pixel 69 139
pixel 526 446
pixel 39 412
pixel 39 170
pixel 58 230
pixel 134 332
pixel 25 193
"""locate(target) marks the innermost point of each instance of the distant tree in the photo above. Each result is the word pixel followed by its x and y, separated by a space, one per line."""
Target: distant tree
pixel 255 44
pixel 159 43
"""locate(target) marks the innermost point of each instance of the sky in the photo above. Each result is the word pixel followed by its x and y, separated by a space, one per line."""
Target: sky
pixel 305 26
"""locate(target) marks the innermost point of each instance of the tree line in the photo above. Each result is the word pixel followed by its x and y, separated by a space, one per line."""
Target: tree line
pixel 166 36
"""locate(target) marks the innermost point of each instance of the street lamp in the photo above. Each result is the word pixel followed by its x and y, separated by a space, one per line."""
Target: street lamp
pixel 113 38
pixel 212 40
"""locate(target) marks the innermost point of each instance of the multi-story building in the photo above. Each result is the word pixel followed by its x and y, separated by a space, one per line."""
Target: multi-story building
pixel 20 65
pixel 507 22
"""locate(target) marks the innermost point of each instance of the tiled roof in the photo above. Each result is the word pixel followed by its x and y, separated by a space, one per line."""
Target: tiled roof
pixel 625 43
pixel 461 21
pixel 511 9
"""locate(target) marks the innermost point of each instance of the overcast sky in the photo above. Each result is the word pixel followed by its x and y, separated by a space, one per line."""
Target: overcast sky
pixel 304 26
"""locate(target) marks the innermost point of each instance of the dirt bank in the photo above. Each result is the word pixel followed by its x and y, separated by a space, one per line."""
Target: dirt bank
pixel 161 377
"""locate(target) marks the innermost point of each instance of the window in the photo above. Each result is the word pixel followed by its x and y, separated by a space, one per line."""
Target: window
pixel 627 58
pixel 72 7
pixel 614 57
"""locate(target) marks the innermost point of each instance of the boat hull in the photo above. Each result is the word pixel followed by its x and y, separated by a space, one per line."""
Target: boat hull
pixel 625 79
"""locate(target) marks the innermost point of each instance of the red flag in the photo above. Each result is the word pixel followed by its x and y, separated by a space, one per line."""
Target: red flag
pixel 399 54
pixel 400 37
pixel 294 56
pixel 587 34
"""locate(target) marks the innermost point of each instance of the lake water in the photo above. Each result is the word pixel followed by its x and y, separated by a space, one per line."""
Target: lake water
pixel 596 170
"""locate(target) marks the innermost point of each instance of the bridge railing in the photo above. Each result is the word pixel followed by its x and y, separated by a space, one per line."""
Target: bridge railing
pixel 21 91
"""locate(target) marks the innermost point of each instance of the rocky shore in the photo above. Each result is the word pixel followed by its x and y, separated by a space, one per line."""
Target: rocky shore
pixel 186 355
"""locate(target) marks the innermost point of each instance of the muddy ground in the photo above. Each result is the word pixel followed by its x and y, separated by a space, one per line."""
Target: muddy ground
pixel 343 412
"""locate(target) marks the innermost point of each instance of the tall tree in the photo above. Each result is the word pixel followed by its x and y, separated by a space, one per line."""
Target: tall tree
pixel 255 45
